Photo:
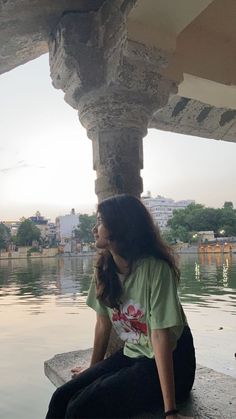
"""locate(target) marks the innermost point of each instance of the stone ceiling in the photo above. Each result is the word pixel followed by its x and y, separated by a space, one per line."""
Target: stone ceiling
pixel 203 39
pixel 25 26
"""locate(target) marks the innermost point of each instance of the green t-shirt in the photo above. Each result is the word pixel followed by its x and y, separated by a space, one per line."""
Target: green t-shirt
pixel 149 301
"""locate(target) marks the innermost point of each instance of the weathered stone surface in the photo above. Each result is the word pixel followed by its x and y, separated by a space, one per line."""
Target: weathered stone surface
pixel 58 369
pixel 213 395
pixel 25 26
pixel 115 84
pixel 191 117
pixel 97 39
pixel 116 171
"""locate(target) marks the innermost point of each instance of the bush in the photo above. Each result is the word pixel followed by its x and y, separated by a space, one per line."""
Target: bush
pixel 33 250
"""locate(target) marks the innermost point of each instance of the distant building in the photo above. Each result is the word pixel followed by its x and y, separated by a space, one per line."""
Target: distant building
pixel 51 229
pixel 65 225
pixel 41 223
pixel 13 226
pixel 162 208
pixel 205 236
pixel 38 219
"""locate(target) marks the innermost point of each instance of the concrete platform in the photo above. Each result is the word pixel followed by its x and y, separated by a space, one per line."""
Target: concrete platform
pixel 213 395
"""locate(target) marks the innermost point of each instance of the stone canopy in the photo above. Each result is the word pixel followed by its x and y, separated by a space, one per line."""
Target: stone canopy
pixel 129 65
pixel 199 35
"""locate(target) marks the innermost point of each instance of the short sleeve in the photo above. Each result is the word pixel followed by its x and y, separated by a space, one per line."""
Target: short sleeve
pixel 93 302
pixel 165 308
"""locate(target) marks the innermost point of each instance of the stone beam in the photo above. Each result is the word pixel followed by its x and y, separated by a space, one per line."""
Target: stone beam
pixel 25 27
pixel 116 86
pixel 191 117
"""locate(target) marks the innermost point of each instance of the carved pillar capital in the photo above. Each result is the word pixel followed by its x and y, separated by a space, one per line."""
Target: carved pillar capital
pixel 115 84
pixel 85 50
pixel 91 57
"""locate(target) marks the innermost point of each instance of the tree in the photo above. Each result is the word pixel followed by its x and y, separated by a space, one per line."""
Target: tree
pixel 84 229
pixel 196 218
pixel 27 233
pixel 228 204
pixel 5 236
pixel 227 221
pixel 184 221
pixel 168 236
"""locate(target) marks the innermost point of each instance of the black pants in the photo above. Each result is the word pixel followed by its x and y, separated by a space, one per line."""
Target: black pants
pixel 121 386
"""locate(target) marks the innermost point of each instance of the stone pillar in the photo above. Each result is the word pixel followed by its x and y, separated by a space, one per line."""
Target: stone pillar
pixel 115 84
pixel 117 155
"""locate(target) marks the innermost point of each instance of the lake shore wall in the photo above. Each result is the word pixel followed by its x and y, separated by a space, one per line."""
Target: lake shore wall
pixel 23 253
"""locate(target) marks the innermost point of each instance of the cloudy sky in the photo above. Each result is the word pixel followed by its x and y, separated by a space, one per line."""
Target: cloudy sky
pixel 46 158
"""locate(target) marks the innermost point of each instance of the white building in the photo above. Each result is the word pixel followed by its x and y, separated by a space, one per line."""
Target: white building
pixel 65 224
pixel 162 208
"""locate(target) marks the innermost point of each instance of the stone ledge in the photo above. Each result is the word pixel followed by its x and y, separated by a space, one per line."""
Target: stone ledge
pixel 213 395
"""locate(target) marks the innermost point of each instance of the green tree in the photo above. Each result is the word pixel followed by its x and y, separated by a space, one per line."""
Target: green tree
pixel 182 234
pixel 228 204
pixel 203 219
pixel 168 236
pixel 196 218
pixel 5 236
pixel 27 233
pixel 227 221
pixel 84 229
pixel 185 221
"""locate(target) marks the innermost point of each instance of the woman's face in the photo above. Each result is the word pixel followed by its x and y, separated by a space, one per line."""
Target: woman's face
pixel 101 234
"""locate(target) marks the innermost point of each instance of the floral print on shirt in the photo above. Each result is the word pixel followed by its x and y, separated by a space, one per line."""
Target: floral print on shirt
pixel 127 322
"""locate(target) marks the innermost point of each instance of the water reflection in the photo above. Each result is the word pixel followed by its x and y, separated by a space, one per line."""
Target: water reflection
pixel 209 280
pixel 43 312
pixel 32 282
pixel 226 272
pixel 74 274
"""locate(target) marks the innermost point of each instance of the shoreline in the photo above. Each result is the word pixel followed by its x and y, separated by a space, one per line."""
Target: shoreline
pixel 58 255
pixel 85 254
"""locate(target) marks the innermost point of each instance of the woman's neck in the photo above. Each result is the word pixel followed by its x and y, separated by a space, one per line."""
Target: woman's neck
pixel 121 263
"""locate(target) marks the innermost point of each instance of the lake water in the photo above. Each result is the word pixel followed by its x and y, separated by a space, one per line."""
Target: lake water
pixel 43 312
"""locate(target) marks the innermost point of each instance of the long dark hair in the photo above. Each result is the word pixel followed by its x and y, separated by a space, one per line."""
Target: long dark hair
pixel 135 235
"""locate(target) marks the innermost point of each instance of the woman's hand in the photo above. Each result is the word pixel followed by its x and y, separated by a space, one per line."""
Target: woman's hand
pixel 77 371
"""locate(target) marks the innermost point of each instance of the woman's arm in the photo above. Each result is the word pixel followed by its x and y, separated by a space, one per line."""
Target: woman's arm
pixel 163 351
pixel 101 338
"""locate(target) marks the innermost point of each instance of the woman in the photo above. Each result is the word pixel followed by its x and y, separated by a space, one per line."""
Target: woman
pixel 135 290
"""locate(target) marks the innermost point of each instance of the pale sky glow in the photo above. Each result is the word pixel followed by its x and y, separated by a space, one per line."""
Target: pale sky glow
pixel 46 157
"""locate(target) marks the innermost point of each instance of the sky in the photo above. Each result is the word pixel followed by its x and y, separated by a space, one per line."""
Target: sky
pixel 46 157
